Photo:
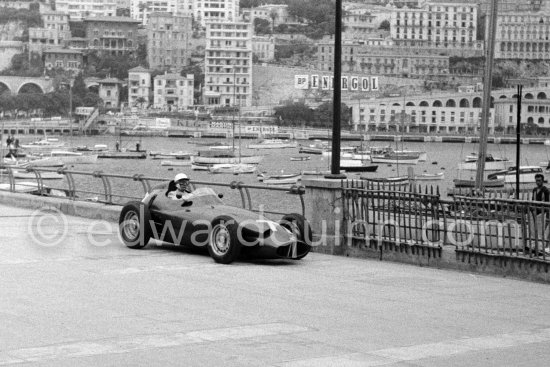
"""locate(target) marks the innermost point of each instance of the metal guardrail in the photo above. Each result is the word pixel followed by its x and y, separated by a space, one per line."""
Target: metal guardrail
pixel 417 217
pixel 109 197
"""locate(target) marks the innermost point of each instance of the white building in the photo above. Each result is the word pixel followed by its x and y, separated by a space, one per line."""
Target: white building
pixel 173 91
pixel 139 87
pixel 450 27
pixel 263 48
pixel 142 9
pixel 523 35
pixel 215 10
pixel 228 64
pixel 79 9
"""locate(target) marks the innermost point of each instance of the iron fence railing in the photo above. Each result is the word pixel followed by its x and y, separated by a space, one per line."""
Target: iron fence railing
pixel 417 216
pixel 77 186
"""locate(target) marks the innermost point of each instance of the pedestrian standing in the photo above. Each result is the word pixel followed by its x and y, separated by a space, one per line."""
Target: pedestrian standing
pixel 540 225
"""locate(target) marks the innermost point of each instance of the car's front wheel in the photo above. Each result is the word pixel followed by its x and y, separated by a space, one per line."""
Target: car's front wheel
pixel 298 225
pixel 223 242
pixel 134 226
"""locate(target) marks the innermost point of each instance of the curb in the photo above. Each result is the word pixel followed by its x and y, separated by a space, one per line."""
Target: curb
pixel 66 206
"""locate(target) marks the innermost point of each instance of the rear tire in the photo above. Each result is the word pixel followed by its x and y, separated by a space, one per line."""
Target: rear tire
pixel 134 225
pixel 223 242
pixel 297 224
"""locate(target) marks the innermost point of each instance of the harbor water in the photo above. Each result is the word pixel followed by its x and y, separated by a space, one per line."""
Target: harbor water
pixel 441 157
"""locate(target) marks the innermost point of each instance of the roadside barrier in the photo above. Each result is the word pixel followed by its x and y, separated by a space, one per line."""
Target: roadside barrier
pixel 416 219
pixel 73 191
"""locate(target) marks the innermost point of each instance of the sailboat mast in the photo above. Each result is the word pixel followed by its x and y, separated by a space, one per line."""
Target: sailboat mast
pixel 486 106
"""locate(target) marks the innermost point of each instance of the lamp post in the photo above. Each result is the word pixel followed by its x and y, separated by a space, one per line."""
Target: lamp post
pixel 70 85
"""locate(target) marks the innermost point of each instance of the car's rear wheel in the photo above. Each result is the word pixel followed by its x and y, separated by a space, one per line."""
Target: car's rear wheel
pixel 134 226
pixel 223 242
pixel 298 225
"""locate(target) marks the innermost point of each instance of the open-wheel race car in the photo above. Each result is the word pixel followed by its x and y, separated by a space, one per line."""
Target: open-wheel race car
pixel 201 219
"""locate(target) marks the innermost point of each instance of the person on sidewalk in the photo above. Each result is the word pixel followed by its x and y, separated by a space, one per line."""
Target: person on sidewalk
pixel 539 227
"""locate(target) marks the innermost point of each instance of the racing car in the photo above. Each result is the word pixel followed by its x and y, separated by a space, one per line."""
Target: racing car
pixel 201 219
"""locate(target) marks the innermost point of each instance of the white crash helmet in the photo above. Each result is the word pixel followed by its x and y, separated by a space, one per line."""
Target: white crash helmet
pixel 181 176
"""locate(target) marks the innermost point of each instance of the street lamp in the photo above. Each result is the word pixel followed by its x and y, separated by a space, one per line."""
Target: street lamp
pixel 70 85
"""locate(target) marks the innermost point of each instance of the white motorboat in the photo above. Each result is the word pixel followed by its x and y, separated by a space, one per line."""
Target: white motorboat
pixel 430 176
pixel 274 144
pixel 491 164
pixel 227 158
pixel 238 168
pixel 287 179
pixel 68 157
pixel 526 175
pixel 44 144
pixel 176 163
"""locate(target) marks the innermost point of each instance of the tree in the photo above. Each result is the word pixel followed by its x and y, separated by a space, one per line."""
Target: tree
pixel 294 113
pixel 273 15
pixel 324 114
pixel 385 25
pixel 262 26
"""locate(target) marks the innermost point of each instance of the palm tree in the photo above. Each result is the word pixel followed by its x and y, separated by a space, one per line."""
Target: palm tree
pixel 273 15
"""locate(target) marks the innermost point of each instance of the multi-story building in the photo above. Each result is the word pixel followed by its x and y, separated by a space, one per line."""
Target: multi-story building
pixel 55 20
pixel 274 13
pixel 114 35
pixel 63 58
pixel 53 33
pixel 522 36
pixel 142 9
pixel 109 92
pixel 80 9
pixel 228 64
pixel 139 87
pixel 535 110
pixel 215 10
pixel 76 43
pixel 263 48
pixel 40 38
pixel 173 91
pixel 450 27
pixel 372 58
pixel 168 41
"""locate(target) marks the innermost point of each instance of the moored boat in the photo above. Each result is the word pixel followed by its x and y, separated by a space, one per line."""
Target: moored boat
pixel 238 168
pixel 303 158
pixel 430 176
pixel 470 183
pixel 122 155
pixel 224 158
pixel 286 179
pixel 176 163
pixel 395 158
pixel 526 175
pixel 273 144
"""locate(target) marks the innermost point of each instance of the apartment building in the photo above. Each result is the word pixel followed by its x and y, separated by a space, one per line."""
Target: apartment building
pixel 142 9
pixel 173 91
pixel 139 87
pixel 263 48
pixel 168 41
pixel 114 35
pixel 450 27
pixel 53 33
pixel 379 57
pixel 522 35
pixel 228 64
pixel 63 58
pixel 535 111
pixel 205 11
pixel 80 9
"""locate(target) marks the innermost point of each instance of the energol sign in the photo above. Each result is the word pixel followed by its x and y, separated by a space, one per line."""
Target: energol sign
pixel 325 82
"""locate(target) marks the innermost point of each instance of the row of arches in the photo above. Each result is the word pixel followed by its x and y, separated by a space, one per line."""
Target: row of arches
pixel 465 102
pixel 29 87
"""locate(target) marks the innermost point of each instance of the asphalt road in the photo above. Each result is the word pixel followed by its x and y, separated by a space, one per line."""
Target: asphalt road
pixel 73 295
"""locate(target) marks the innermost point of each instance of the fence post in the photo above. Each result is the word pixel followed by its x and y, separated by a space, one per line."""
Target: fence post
pixel 106 186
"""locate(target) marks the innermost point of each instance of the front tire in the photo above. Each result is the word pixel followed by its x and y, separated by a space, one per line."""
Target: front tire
pixel 223 242
pixel 298 225
pixel 134 226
